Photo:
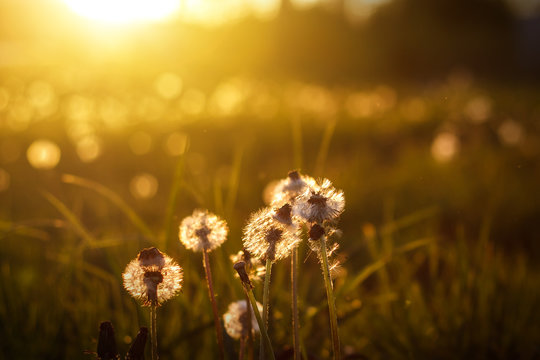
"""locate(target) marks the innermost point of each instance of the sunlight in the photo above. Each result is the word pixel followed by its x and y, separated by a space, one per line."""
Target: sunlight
pixel 124 11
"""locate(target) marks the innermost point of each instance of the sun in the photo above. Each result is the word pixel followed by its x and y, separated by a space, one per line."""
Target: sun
pixel 124 11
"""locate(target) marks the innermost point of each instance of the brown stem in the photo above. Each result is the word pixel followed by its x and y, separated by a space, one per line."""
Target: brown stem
pixel 217 323
pixel 294 296
pixel 242 347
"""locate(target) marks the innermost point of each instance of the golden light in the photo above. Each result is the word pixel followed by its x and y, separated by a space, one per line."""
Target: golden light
pixel 143 186
pixel 124 11
pixel 43 154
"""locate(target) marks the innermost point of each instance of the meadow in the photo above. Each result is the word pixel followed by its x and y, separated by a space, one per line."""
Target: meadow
pixel 438 245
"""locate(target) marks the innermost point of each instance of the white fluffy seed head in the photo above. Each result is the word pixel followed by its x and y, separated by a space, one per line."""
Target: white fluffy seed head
pixel 267 236
pixel 235 319
pixel 286 190
pixel 203 230
pixel 153 277
pixel 319 202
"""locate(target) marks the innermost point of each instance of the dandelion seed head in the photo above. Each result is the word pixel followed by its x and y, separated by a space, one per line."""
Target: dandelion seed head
pixel 203 230
pixel 236 319
pixel 319 202
pixel 267 237
pixel 153 277
pixel 254 267
pixel 286 190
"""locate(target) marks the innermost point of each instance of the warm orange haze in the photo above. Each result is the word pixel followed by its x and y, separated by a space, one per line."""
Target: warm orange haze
pixel 272 179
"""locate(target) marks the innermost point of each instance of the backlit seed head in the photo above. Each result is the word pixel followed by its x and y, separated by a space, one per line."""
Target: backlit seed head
pixel 254 267
pixel 203 230
pixel 236 319
pixel 319 202
pixel 286 190
pixel 268 236
pixel 153 277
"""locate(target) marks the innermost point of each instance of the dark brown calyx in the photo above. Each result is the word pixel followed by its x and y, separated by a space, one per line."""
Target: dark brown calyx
pixel 152 279
pixel 202 233
pixel 151 257
pixel 316 232
pixel 240 268
pixel 294 175
pixel 273 236
pixel 283 214
pixel 317 200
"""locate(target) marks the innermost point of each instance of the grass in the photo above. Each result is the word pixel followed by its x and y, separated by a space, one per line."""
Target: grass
pixel 438 259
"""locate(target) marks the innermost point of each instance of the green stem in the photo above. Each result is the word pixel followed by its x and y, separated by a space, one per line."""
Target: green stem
pixel 217 323
pixel 331 299
pixel 294 296
pixel 266 297
pixel 249 340
pixel 153 330
pixel 262 328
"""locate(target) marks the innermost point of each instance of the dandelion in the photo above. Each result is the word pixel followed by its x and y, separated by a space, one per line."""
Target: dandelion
pixel 240 322
pixel 254 265
pixel 271 234
pixel 153 278
pixel 204 231
pixel 279 193
pixel 286 190
pixel 240 267
pixel 319 203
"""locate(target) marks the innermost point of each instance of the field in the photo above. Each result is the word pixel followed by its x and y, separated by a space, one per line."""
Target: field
pixel 102 156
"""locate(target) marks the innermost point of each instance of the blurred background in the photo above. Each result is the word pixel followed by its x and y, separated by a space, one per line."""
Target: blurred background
pixel 118 118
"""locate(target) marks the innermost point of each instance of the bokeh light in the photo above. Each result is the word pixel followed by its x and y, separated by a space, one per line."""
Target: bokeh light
pixel 88 148
pixel 176 144
pixel 43 154
pixel 143 186
pixel 444 147
pixel 168 85
pixel 510 132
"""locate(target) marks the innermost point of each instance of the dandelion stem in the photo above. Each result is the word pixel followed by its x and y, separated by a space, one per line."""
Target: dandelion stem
pixel 294 296
pixel 249 340
pixel 262 328
pixel 266 298
pixel 331 299
pixel 153 330
pixel 243 340
pixel 219 332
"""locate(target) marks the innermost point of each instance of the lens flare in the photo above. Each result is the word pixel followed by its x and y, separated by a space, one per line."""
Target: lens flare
pixel 124 11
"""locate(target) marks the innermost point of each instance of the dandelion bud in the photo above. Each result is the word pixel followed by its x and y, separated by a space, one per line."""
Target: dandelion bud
pixel 240 267
pixel 136 351
pixel 320 202
pixel 236 319
pixel 316 232
pixel 153 277
pixel 203 231
pixel 106 348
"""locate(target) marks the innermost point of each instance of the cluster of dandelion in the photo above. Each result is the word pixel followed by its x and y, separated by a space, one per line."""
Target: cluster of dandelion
pixel 272 233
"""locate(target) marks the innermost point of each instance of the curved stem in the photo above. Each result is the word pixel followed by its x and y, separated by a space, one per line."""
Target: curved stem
pixel 294 300
pixel 262 328
pixel 266 298
pixel 153 331
pixel 331 300
pixel 217 323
